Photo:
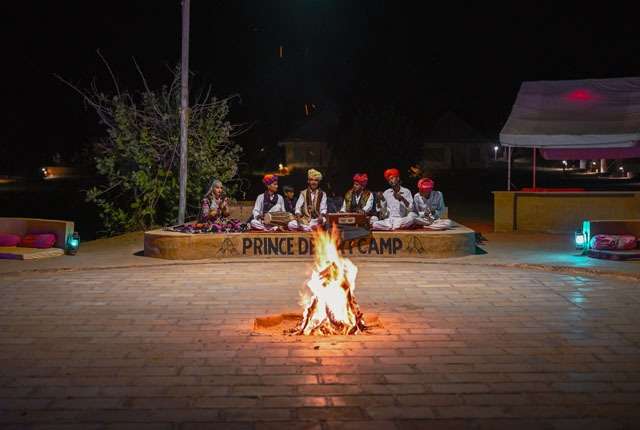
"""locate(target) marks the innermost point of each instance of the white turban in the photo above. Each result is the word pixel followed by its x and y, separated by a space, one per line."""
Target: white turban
pixel 314 174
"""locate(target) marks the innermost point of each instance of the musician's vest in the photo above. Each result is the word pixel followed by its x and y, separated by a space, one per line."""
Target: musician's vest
pixel 309 210
pixel 350 203
pixel 267 203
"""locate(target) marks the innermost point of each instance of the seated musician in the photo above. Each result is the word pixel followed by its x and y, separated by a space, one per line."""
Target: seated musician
pixel 215 203
pixel 267 202
pixel 398 204
pixel 311 206
pixel 428 205
pixel 215 214
pixel 289 202
pixel 358 198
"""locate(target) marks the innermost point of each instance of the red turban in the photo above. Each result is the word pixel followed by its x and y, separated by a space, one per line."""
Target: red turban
pixel 361 178
pixel 425 184
pixel 269 179
pixel 391 172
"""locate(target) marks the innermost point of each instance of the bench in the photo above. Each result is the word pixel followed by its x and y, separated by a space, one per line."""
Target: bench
pixel 23 226
pixel 615 227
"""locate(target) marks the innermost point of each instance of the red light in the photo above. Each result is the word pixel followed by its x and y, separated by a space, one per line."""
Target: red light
pixel 580 95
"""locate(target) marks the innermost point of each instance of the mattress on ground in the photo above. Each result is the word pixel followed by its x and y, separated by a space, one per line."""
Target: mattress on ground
pixel 18 253
pixel 633 254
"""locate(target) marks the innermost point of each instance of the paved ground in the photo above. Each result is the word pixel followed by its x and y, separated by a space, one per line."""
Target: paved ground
pixel 464 346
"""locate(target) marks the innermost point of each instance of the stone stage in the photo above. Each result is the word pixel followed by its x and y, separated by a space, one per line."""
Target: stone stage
pixel 419 243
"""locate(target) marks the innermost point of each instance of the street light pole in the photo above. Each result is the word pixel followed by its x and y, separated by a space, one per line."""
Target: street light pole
pixel 184 109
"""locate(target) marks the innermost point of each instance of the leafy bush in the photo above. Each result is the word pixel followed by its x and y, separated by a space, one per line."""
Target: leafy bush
pixel 139 157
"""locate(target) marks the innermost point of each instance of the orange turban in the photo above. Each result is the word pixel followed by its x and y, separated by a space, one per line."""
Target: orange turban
pixel 269 179
pixel 361 178
pixel 425 184
pixel 391 172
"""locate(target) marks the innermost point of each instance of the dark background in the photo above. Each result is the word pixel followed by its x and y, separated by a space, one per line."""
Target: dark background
pixel 422 58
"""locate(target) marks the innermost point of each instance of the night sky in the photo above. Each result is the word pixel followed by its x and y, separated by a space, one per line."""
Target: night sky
pixel 420 59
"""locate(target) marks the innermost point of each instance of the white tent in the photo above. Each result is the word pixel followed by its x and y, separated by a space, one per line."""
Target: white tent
pixel 588 113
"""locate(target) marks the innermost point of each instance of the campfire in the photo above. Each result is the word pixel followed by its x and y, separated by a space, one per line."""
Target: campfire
pixel 330 304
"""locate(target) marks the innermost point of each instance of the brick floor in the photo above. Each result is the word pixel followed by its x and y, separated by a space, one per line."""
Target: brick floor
pixel 462 347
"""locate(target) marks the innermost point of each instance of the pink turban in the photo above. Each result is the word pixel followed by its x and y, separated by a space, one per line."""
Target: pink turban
pixel 269 179
pixel 425 184
pixel 361 178
pixel 391 172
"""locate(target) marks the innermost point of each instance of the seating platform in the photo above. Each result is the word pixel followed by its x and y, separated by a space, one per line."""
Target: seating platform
pixel 23 226
pixel 417 243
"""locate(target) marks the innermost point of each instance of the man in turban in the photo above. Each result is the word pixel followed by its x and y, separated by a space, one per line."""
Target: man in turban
pixel 311 206
pixel 269 201
pixel 428 205
pixel 398 203
pixel 358 198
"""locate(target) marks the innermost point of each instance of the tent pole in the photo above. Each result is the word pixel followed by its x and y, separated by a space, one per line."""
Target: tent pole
pixel 534 168
pixel 509 169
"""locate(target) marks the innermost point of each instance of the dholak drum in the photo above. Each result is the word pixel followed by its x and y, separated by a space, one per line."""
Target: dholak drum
pixel 278 218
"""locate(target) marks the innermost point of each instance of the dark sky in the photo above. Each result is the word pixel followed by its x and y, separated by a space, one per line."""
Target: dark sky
pixel 422 58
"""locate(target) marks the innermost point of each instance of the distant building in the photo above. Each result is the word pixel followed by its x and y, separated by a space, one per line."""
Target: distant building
pixel 454 144
pixel 308 145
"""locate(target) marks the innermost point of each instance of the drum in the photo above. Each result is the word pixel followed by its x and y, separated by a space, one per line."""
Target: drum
pixel 278 218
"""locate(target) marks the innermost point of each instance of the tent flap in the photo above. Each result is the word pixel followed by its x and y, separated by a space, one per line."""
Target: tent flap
pixel 589 113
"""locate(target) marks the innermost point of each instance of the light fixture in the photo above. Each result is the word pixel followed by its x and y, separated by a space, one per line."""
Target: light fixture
pixel 580 239
pixel 73 243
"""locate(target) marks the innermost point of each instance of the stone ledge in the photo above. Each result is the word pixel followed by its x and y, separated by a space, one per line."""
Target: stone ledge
pixel 457 242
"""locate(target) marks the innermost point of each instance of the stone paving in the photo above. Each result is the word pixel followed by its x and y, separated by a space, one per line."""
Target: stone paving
pixel 462 347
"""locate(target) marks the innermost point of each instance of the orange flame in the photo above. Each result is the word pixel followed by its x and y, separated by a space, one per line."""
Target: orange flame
pixel 331 307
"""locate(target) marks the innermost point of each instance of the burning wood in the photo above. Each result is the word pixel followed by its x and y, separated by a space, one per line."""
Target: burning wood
pixel 331 306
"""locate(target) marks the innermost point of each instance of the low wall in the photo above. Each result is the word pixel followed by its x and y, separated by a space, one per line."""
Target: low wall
pixel 560 212
pixel 458 242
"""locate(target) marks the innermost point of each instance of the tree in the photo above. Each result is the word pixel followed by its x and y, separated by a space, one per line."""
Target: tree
pixel 139 156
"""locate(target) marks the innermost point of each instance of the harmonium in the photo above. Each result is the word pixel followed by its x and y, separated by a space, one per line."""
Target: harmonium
pixel 348 218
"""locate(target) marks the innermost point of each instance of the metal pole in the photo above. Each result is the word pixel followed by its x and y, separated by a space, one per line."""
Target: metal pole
pixel 509 170
pixel 534 168
pixel 184 109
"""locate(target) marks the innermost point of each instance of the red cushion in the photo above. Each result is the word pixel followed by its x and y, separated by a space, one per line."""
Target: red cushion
pixel 613 242
pixel 7 239
pixel 46 240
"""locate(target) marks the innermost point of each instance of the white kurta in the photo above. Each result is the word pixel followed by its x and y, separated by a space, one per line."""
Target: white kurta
pixel 400 214
pixel 293 225
pixel 434 203
pixel 367 206
pixel 256 222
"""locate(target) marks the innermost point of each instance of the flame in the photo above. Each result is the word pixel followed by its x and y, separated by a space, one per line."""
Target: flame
pixel 330 305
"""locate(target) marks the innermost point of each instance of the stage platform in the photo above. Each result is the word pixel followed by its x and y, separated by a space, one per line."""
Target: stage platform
pixel 420 243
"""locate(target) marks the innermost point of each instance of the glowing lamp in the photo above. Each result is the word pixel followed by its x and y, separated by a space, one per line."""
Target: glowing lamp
pixel 580 95
pixel 580 239
pixel 73 243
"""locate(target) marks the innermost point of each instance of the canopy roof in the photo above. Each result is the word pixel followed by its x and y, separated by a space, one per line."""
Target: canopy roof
pixel 588 113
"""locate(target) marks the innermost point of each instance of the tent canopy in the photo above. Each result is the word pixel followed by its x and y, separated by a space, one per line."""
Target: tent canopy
pixel 589 113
